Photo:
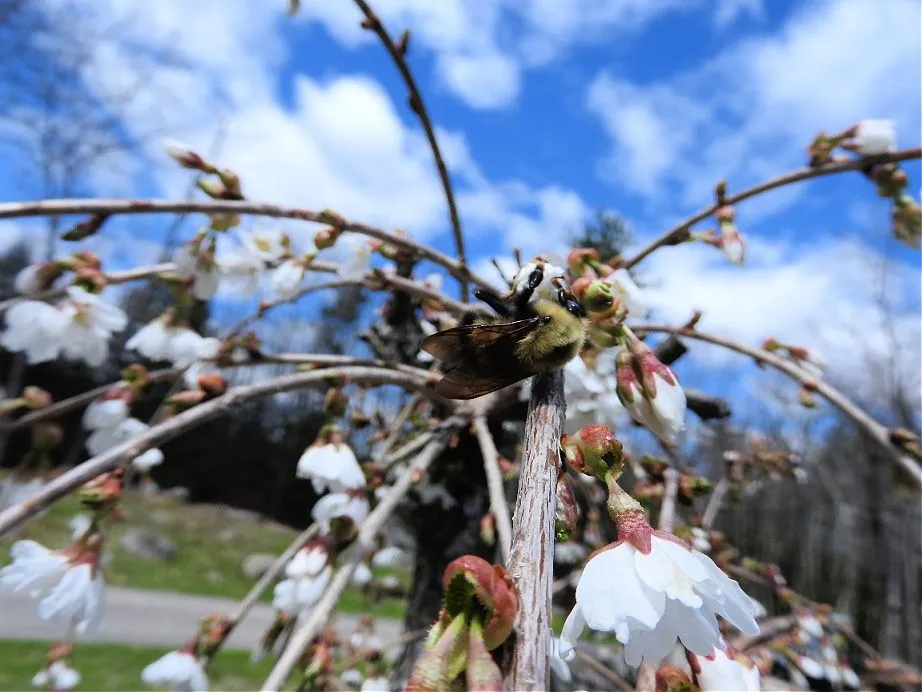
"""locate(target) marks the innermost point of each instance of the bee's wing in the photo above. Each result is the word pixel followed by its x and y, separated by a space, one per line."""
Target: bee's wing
pixel 483 356
pixel 464 383
pixel 452 345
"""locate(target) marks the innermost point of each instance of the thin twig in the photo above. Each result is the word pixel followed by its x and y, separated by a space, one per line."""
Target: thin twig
pixel 58 207
pixel 418 106
pixel 404 638
pixel 531 557
pixel 182 422
pixel 498 505
pixel 667 507
pixel 603 670
pixel 321 611
pixel 265 581
pixel 714 503
pixel 679 232
pixel 877 431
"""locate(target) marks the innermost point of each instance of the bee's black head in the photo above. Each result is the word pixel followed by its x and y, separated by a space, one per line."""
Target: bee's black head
pixel 569 301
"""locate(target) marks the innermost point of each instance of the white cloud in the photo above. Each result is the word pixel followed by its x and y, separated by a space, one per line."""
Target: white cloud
pixel 487 80
pixel 751 110
pixel 728 11
pixel 782 293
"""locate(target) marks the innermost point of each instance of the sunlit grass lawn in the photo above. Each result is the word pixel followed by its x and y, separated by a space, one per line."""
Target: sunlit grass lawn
pixel 115 667
pixel 211 544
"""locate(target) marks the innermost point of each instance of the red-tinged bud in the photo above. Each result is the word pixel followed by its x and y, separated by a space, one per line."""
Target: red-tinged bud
pixel 326 238
pixel 605 334
pixel 488 529
pixel 482 673
pixel 648 491
pixel 578 287
pixel 332 218
pixel 629 517
pixel 231 184
pixel 581 259
pixel 670 678
pixel 213 188
pixel 85 228
pixel 472 577
pixel 250 343
pixel 724 214
pixel 89 279
pixel 186 400
pixel 691 487
pixel 654 466
pixel 224 221
pixel 890 179
pixel 104 490
pixel 36 397
pixel 46 436
pixel 771 345
pixel 907 221
pixel 135 377
pixel 416 476
pixel 566 514
pixel 213 384
pixel 649 390
pixel 593 450
pixel 598 297
pixel 335 403
pixel 84 259
pixel 805 396
pixel 186 157
pixel 820 150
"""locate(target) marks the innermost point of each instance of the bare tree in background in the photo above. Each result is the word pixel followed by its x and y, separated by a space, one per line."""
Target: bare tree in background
pixel 61 114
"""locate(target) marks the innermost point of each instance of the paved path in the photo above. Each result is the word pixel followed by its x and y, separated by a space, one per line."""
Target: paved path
pixel 161 618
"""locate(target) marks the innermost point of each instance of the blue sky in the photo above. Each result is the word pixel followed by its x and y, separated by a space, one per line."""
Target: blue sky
pixel 548 110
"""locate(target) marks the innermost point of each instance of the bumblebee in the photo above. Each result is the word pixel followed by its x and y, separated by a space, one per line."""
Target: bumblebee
pixel 526 338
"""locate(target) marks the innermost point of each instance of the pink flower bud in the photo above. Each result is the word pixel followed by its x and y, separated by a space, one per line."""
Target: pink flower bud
pixel 482 673
pixel 670 678
pixel 598 297
pixel 566 514
pixel 36 397
pixel 593 450
pixel 471 576
pixel 488 529
pixel 649 390
pixel 325 238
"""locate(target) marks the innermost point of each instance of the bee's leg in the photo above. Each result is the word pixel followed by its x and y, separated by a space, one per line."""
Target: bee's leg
pixel 467 319
pixel 523 297
pixel 492 299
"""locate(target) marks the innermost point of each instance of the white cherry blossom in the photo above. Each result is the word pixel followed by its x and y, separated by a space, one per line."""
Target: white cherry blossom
pixel 29 279
pixel 58 676
pixel 873 137
pixel 244 270
pixel 286 279
pixel 352 677
pixel 91 322
pixel 205 272
pixel 146 461
pixel 627 292
pixel 13 492
pixel 68 588
pixel 104 439
pixel 152 340
pixel 558 662
pixel 180 670
pixel 35 329
pixel 269 246
pixel 337 505
pixel 105 413
pixel 331 466
pixel 357 257
pixel 376 684
pixel 663 410
pixel 390 556
pixel 362 574
pixel 649 600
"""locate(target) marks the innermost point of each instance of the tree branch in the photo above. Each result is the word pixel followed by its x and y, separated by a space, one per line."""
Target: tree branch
pixel 172 427
pixel 418 106
pixel 680 232
pixel 531 557
pixel 877 431
pixel 265 581
pixel 498 505
pixel 321 611
pixel 113 207
pixel 714 503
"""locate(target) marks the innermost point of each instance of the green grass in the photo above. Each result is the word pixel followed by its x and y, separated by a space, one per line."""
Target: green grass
pixel 112 667
pixel 211 545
